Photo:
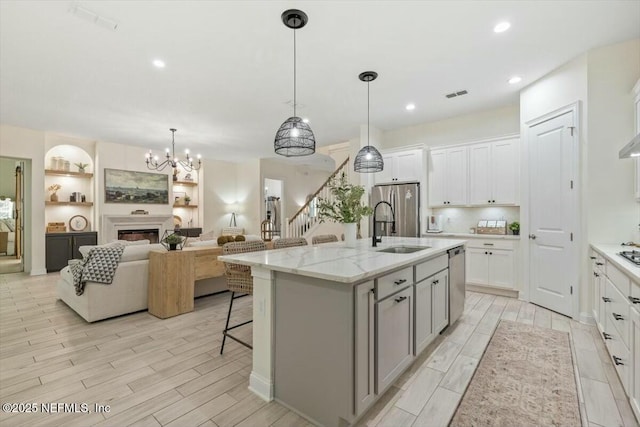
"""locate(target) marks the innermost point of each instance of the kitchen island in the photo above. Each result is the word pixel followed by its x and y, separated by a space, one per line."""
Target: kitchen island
pixel 334 327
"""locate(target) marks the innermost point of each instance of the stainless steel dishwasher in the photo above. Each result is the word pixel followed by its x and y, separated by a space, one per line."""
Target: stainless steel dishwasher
pixel 457 281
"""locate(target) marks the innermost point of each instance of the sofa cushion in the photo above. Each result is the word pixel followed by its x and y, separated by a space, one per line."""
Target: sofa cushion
pixel 207 236
pixel 139 252
pixel 204 243
pixel 84 250
pixel 251 238
pixel 133 242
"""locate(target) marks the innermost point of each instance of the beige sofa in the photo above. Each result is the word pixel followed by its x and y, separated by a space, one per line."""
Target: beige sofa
pixel 128 291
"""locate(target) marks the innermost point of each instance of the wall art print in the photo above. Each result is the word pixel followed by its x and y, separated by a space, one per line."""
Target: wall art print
pixel 129 187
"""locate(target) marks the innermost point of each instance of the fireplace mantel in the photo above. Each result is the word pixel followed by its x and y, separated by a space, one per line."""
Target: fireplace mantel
pixel 112 223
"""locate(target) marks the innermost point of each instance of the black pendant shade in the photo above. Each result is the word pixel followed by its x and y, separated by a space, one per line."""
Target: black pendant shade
pixel 368 159
pixel 294 137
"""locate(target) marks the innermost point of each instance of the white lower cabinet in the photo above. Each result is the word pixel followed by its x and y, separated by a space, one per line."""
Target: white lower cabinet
pixel 634 377
pixel 394 346
pixel 491 266
pixel 440 301
pixel 431 308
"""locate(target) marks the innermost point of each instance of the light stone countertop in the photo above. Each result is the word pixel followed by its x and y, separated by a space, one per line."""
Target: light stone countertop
pixel 610 252
pixel 472 236
pixel 335 262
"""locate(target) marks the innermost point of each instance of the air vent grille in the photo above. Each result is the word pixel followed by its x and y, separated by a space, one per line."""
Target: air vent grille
pixel 459 93
pixel 88 15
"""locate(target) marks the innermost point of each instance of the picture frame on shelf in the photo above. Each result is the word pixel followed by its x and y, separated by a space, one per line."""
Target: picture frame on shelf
pixel 132 187
pixel 78 223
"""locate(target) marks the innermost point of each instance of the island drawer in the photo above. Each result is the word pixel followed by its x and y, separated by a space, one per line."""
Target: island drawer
pixel 392 282
pixel 431 267
pixel 619 279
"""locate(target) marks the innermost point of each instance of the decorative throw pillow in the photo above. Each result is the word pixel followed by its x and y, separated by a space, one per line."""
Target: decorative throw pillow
pixel 207 236
pixel 240 238
pixel 251 238
pixel 224 239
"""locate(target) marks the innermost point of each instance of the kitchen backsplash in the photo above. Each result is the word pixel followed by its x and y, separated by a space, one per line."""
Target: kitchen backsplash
pixel 459 220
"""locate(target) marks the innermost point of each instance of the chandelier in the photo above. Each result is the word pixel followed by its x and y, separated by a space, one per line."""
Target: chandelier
pixel 171 159
pixel 294 137
pixel 368 159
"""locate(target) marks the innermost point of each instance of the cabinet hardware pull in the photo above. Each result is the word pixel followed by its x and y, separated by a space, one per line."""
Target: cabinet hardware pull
pixel 634 300
pixel 605 299
pixel 493 201
pixel 401 299
pixel 400 282
pixel 606 336
pixel 486 253
pixel 488 201
pixel 599 263
pixel 490 253
pixel 592 257
pixel 617 316
pixel 373 291
pixel 596 274
pixel 617 360
pixel 435 282
pixel 488 244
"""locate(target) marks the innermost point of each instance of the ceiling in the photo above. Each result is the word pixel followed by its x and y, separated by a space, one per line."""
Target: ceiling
pixel 228 80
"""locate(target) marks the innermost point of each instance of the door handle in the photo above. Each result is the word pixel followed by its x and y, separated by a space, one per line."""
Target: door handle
pixel 532 236
pixel 617 360
pixel 401 299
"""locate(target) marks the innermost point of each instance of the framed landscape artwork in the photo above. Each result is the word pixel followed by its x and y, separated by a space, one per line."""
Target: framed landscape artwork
pixel 122 186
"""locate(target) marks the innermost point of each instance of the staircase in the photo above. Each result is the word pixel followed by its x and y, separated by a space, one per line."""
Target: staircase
pixel 306 219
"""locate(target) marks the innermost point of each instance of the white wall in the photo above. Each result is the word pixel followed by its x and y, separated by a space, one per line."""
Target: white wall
pixel 218 181
pixel 29 144
pixel 249 193
pixel 467 128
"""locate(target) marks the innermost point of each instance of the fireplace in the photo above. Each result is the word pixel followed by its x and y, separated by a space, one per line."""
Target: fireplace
pixel 115 226
pixel 151 234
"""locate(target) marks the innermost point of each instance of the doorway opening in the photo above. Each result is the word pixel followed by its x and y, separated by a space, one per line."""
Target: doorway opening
pixel 11 215
pixel 273 206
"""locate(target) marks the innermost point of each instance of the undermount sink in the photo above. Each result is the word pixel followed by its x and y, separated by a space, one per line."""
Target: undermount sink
pixel 403 249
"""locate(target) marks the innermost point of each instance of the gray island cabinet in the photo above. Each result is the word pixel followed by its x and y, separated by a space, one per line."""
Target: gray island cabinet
pixel 334 327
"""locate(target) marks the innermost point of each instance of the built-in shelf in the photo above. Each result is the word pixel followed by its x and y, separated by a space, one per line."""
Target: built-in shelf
pixel 50 203
pixel 185 206
pixel 67 173
pixel 185 183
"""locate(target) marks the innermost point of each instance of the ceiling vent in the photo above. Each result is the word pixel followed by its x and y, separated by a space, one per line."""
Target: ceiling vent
pixel 87 15
pixel 454 94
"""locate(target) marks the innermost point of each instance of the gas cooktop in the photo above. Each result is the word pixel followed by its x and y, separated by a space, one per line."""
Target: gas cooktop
pixel 633 256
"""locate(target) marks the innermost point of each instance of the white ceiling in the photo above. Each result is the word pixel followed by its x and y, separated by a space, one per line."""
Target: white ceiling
pixel 229 73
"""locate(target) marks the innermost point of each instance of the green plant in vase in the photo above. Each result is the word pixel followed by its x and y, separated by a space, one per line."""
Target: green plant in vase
pixel 515 228
pixel 81 166
pixel 172 240
pixel 187 200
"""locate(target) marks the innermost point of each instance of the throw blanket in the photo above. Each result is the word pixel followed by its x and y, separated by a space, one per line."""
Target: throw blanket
pixel 98 266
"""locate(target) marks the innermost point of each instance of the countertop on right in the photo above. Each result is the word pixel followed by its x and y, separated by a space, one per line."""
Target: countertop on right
pixel 611 251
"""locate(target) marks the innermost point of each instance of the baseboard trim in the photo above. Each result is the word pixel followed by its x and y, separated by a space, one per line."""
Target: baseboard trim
pixel 491 290
pixel 261 386
pixel 38 272
pixel 587 318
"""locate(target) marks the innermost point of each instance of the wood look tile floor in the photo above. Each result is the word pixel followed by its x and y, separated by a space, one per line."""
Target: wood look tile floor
pixel 154 372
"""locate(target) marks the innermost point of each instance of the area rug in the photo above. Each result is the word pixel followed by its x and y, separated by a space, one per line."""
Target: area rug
pixel 525 378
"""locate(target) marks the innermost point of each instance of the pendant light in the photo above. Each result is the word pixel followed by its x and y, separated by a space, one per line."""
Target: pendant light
pixel 368 158
pixel 294 137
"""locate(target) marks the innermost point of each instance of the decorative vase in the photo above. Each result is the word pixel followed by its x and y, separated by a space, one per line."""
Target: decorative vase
pixel 516 232
pixel 80 170
pixel 54 197
pixel 350 236
pixel 173 246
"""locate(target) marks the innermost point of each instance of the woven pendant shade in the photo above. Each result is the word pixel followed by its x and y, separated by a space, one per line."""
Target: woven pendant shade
pixel 368 160
pixel 294 138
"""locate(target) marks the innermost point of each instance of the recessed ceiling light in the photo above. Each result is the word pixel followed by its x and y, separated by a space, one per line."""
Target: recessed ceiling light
pixel 515 79
pixel 501 27
pixel 410 107
pixel 159 63
pixel 305 120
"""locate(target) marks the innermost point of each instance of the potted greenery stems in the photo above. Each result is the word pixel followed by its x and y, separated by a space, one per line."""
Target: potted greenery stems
pixel 345 206
pixel 187 200
pixel 171 241
pixel 81 167
pixel 515 228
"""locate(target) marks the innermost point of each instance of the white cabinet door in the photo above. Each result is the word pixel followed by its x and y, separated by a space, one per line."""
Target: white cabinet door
pixel 423 329
pixel 480 174
pixel 505 172
pixel 394 344
pixel 501 268
pixel 636 88
pixel 408 166
pixel 634 384
pixel 477 261
pixel 440 301
pixel 364 346
pixel 437 177
pixel 456 177
pixel 385 176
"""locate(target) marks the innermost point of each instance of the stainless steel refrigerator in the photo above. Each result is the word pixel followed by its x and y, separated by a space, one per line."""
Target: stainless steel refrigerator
pixel 405 199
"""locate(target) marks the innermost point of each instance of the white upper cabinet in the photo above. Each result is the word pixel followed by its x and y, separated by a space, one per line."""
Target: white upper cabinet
pixel 448 176
pixel 494 173
pixel 401 166
pixel 636 90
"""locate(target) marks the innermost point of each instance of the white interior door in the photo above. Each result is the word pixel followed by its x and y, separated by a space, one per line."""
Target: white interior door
pixel 552 270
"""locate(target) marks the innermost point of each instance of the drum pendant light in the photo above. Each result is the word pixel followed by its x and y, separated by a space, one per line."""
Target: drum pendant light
pixel 368 159
pixel 294 137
